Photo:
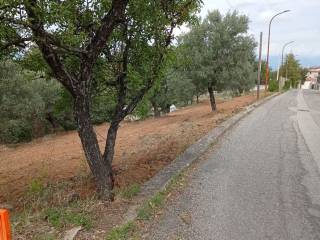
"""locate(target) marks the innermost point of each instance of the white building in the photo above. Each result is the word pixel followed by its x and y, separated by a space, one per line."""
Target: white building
pixel 311 81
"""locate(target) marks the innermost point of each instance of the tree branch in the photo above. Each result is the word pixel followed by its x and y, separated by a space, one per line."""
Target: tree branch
pixel 48 52
pixel 103 33
pixel 19 42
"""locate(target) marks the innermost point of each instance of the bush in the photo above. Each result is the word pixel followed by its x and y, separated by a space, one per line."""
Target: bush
pixel 143 109
pixel 25 99
pixel 63 110
pixel 14 131
pixel 286 85
pixel 273 86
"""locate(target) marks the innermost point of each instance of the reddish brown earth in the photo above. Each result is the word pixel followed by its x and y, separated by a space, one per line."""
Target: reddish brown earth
pixel 142 149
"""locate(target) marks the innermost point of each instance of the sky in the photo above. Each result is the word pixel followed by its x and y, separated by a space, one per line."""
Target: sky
pixel 301 25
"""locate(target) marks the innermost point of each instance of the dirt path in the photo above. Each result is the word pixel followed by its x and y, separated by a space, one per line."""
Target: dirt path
pixel 142 148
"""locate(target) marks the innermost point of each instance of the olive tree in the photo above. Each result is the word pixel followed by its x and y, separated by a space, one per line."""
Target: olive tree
pixel 128 38
pixel 220 51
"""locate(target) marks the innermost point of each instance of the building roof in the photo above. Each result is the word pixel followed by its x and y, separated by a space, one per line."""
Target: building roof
pixel 314 69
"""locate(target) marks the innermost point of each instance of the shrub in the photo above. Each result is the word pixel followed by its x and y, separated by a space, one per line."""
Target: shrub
pixel 273 86
pixel 143 109
pixel 25 99
pixel 286 85
pixel 14 131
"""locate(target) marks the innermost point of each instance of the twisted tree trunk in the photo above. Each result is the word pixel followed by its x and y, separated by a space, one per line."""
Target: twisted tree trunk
pixel 156 111
pixel 212 98
pixel 101 172
pixel 110 145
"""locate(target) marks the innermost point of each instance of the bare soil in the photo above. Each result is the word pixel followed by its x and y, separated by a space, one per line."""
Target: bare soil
pixel 142 149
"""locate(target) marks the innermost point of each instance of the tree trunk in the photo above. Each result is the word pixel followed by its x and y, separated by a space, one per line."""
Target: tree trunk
pixel 52 120
pixel 156 111
pixel 101 171
pixel 212 98
pixel 197 98
pixel 110 144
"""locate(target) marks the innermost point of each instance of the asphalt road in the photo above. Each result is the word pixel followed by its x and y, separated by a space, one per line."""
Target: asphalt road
pixel 262 181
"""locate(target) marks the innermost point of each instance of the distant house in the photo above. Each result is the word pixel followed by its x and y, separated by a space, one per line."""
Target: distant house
pixel 311 81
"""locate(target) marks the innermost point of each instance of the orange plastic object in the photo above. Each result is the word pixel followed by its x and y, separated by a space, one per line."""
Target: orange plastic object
pixel 4 225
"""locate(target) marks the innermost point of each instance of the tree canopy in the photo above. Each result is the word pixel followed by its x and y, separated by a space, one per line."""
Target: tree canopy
pixel 220 53
pixel 114 48
pixel 292 71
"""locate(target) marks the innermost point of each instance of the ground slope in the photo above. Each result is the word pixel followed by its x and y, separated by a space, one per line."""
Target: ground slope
pixel 142 148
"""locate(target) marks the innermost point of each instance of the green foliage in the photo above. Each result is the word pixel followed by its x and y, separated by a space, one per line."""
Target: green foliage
pixel 63 110
pixel 61 217
pixel 143 109
pixel 102 107
pixel 25 99
pixel 286 85
pixel 130 191
pixel 273 86
pixel 46 236
pixel 182 88
pixel 303 73
pixel 142 40
pixel 219 52
pixel 123 232
pixel 28 98
pixel 33 61
pixel 36 187
pixel 151 206
pixel 148 55
pixel 14 131
pixel 292 70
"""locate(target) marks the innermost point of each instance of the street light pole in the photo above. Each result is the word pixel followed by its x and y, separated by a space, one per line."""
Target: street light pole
pixel 283 48
pixel 267 70
pixel 259 67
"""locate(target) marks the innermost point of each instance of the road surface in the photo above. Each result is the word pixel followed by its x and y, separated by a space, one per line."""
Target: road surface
pixel 262 181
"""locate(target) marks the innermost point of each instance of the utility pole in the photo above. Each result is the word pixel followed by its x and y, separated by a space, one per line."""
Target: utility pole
pixel 284 46
pixel 259 67
pixel 287 72
pixel 267 69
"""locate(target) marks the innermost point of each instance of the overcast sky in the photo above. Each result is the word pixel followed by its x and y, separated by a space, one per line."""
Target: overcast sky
pixel 301 25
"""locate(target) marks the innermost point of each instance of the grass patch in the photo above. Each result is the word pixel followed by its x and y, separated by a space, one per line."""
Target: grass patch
pixel 36 188
pixel 147 211
pixel 46 237
pixel 53 206
pixel 62 217
pixel 123 232
pixel 158 200
pixel 150 207
pixel 130 191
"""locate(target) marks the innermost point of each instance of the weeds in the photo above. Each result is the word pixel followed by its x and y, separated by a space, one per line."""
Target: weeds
pixel 158 200
pixel 123 232
pixel 36 188
pixel 61 217
pixel 150 207
pixel 148 210
pixel 130 191
pixel 46 236
pixel 52 205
